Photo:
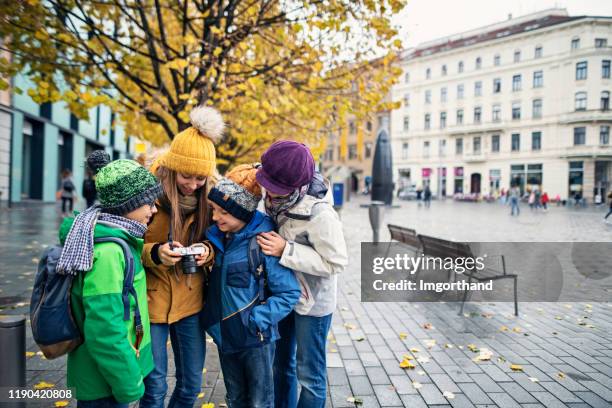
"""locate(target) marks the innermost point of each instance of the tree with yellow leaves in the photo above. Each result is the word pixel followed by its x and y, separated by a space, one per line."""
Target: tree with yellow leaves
pixel 275 68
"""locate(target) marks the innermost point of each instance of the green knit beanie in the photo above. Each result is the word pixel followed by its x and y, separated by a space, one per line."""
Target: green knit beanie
pixel 122 185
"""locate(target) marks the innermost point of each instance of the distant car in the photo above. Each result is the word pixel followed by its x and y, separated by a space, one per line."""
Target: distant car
pixel 407 193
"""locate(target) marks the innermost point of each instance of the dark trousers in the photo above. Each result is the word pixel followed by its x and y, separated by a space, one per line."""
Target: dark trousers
pixel 69 201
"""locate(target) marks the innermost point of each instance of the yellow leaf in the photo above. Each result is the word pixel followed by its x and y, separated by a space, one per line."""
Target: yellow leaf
pixel 503 329
pixel 472 347
pixel 407 364
pixel 408 357
pixel 217 51
pixel 415 350
pixel 561 375
pixel 516 367
pixel 349 326
pixel 403 336
pixel 30 353
pixel 43 384
pixel 208 405
pixel 61 403
pixel 517 330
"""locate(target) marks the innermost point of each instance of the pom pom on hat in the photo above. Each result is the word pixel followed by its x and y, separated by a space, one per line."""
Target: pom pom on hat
pixel 208 121
pixel 98 159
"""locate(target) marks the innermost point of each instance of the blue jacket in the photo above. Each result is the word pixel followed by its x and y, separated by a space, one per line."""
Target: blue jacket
pixel 232 314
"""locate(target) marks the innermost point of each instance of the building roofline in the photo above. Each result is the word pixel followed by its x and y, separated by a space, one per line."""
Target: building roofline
pixel 505 29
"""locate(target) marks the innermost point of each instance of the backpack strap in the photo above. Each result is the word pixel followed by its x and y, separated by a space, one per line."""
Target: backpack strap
pixel 128 286
pixel 256 265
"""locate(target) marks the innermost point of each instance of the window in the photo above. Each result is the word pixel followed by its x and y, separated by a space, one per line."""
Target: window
pixel 538 52
pixel 516 142
pixel 496 60
pixel 406 77
pixel 368 150
pixel 406 100
pixel 516 83
pixel 478 88
pixel 352 128
pixel 581 70
pixel 404 150
pixel 369 126
pixel 497 85
pixel 442 120
pixel 536 140
pixel 536 109
pixel 406 123
pixel 575 43
pixel 352 152
pixel 442 148
pixel 460 116
pixel 605 69
pixel 538 79
pixel 517 56
pixel 604 135
pixel 443 92
pixel 496 113
pixel 580 101
pixel 478 63
pixel 427 121
pixel 444 70
pixel 428 96
pixel 460 91
pixel 476 144
pixel 460 67
pixel 605 101
pixel 601 43
pixel 495 143
pixel 579 136
pixel 426 149
pixel 428 73
pixel 516 110
pixel 477 114
pixel 459 146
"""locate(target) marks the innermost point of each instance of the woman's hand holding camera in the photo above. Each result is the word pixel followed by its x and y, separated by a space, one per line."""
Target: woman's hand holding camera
pixel 201 259
pixel 167 255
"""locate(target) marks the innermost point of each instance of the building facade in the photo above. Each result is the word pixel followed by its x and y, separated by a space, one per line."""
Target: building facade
pixel 38 141
pixel 524 102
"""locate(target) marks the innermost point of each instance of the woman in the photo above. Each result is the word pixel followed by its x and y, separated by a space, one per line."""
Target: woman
pixel 175 288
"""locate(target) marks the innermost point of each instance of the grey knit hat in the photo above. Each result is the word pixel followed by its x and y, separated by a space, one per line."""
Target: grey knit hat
pixel 238 192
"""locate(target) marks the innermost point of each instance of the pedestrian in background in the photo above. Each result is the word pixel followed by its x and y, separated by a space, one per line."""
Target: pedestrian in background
pixel 609 206
pixel 514 194
pixel 545 200
pixel 89 189
pixel 311 242
pixel 427 196
pixel 67 192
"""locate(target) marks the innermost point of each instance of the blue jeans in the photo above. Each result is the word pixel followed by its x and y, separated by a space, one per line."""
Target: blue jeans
pixel 248 377
pixel 514 206
pixel 300 356
pixel 189 347
pixel 108 402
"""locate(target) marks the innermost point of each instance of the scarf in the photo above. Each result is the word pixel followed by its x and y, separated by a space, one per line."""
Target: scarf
pixel 278 206
pixel 77 254
pixel 187 204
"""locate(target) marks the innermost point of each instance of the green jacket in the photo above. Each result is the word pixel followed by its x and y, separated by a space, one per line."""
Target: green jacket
pixel 107 364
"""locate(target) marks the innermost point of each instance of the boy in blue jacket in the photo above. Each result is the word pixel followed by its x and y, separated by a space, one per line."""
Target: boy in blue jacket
pixel 241 311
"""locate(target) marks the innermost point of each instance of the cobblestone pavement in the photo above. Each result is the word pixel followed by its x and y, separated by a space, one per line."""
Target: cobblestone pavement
pixel 564 349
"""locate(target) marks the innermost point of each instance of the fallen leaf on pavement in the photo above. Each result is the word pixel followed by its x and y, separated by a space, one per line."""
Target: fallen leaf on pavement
pixel 406 364
pixel 41 385
pixel 448 395
pixel 516 367
pixel 472 347
pixel 448 345
pixel 61 403
pixel 349 326
pixel 30 354
pixel 503 329
pixel 403 336
pixel 430 343
pixel 533 379
pixel 517 330
pixel 484 355
pixel 427 326
pixel 415 350
pixel 408 357
pixel 201 395
pixel 355 400
pixel 423 360
pixel 561 375
pixel 417 385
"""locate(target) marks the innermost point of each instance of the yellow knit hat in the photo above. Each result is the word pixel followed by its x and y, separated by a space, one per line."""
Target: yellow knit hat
pixel 193 150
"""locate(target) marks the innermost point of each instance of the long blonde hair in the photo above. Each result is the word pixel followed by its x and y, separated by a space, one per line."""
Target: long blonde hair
pixel 167 178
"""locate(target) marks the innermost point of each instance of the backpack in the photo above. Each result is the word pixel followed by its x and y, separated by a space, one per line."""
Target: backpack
pixel 256 265
pixel 53 325
pixel 68 186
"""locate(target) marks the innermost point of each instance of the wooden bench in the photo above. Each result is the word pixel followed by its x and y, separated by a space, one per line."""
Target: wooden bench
pixel 404 236
pixel 441 248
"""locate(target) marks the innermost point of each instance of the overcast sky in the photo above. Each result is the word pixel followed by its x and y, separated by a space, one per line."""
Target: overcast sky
pixel 425 20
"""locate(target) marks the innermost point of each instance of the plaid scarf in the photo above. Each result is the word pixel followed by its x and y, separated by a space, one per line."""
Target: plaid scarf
pixel 278 206
pixel 77 254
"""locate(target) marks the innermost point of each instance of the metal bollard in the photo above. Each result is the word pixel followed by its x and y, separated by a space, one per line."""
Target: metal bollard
pixel 375 212
pixel 12 352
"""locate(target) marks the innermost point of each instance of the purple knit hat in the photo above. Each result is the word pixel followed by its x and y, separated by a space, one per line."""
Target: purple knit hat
pixel 285 166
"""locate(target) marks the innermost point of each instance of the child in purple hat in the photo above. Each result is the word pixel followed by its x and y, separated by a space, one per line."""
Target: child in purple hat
pixel 311 242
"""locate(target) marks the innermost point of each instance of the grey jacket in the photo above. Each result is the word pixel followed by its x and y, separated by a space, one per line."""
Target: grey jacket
pixel 315 250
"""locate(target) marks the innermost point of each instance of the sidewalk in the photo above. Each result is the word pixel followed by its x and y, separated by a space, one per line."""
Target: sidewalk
pixel 564 350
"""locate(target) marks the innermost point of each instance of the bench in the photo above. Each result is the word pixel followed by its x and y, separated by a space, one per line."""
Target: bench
pixel 436 247
pixel 404 236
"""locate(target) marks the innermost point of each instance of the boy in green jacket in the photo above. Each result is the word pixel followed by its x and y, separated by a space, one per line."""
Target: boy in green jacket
pixel 107 370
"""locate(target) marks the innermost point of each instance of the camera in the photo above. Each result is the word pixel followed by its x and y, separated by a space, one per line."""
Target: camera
pixel 188 261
